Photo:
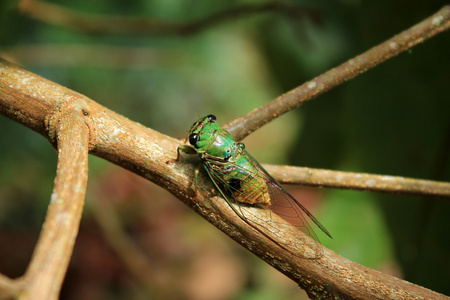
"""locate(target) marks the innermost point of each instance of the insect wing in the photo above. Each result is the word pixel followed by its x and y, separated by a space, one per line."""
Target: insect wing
pixel 293 204
pixel 281 221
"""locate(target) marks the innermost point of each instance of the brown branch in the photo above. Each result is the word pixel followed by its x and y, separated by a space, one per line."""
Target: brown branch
pixel 359 181
pixel 48 266
pixel 260 116
pixel 51 257
pixel 30 99
pixel 99 24
pixel 62 122
pixel 9 287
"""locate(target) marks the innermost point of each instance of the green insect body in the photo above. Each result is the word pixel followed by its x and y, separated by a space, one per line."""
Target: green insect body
pixel 245 184
pixel 227 158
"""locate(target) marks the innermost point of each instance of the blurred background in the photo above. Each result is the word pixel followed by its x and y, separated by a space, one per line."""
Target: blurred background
pixel 151 62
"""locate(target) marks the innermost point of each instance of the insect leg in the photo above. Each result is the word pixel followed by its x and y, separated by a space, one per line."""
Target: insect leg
pixel 182 148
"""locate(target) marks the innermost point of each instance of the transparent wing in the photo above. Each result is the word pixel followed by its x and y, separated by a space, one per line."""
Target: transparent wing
pixel 281 220
pixel 297 206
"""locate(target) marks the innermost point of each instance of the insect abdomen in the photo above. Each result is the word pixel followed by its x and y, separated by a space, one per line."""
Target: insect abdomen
pixel 247 186
pixel 253 190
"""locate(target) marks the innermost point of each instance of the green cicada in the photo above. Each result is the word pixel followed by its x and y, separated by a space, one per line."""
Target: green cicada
pixel 247 186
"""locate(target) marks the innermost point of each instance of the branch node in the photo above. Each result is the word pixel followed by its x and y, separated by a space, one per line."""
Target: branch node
pixel 74 107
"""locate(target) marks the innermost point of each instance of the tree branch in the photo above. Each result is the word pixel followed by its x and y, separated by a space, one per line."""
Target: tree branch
pixel 9 287
pixel 45 274
pixel 30 100
pixel 62 122
pixel 100 24
pixel 433 25
pixel 359 181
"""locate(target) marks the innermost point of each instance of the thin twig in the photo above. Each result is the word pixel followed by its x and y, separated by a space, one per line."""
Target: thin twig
pixel 437 23
pixel 100 24
pixel 359 181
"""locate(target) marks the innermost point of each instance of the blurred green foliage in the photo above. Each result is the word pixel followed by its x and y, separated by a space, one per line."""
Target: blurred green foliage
pixel 394 120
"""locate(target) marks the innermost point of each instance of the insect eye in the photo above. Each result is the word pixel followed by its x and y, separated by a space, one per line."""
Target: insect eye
pixel 193 138
pixel 211 118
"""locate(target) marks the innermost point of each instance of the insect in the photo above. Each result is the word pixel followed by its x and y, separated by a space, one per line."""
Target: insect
pixel 250 191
